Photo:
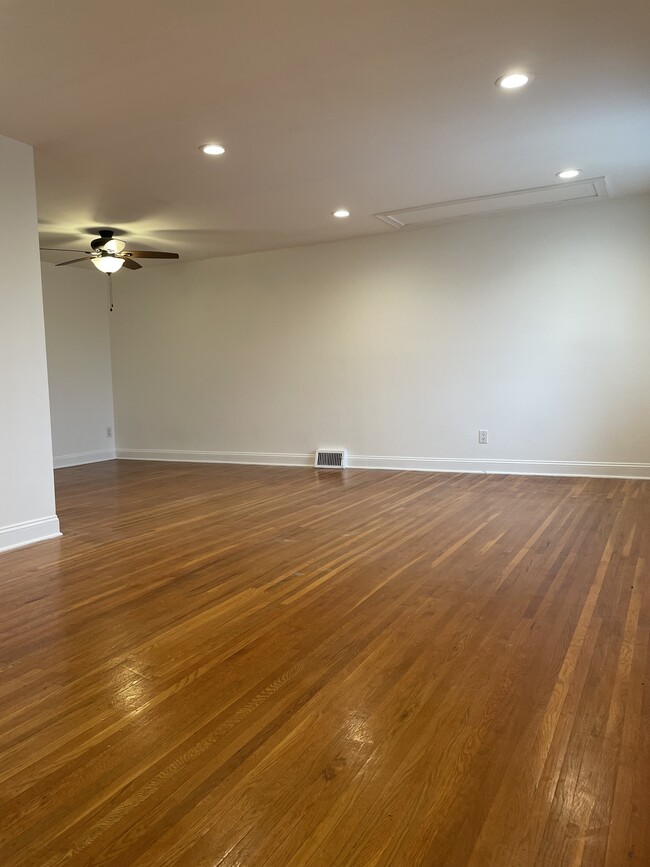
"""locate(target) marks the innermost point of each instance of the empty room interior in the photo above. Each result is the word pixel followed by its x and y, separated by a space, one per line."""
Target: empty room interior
pixel 325 441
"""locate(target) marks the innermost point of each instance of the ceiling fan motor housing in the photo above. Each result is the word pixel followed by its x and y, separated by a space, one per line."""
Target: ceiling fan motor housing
pixel 104 236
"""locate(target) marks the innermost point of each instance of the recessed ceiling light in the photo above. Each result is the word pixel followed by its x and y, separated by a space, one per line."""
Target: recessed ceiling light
pixel 341 213
pixel 513 80
pixel 213 150
pixel 567 174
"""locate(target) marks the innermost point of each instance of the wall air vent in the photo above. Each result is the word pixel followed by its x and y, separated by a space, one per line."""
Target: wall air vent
pixel 331 459
pixel 462 209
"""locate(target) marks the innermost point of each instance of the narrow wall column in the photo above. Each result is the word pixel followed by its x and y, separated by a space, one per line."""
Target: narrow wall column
pixel 27 508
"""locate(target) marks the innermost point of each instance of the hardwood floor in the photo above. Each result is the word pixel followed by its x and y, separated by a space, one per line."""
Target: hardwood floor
pixel 222 665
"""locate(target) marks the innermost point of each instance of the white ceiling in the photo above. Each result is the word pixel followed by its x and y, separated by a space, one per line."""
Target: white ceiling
pixel 372 104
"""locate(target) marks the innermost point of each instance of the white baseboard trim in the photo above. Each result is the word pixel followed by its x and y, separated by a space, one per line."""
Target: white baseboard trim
pixel 61 461
pixel 499 466
pixel 28 532
pixel 282 459
pixel 591 469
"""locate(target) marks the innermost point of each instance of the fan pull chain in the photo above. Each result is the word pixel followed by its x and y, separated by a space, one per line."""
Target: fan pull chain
pixel 110 293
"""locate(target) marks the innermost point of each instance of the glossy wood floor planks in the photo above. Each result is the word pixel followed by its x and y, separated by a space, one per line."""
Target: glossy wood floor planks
pixel 276 667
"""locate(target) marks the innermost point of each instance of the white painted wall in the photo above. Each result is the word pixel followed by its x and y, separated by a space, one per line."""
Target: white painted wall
pixel 79 364
pixel 27 511
pixel 532 325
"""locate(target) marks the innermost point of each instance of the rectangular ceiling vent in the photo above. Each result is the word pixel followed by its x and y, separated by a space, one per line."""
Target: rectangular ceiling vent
pixel 331 459
pixel 446 212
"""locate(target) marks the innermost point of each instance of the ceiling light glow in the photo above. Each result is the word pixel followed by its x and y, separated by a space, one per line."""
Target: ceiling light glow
pixel 213 150
pixel 568 174
pixel 513 80
pixel 341 213
pixel 107 264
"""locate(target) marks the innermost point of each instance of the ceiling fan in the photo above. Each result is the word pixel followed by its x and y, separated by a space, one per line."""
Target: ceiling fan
pixel 108 254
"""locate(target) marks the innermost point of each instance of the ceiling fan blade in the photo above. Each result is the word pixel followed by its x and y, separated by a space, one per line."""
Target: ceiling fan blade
pixel 72 261
pixel 61 250
pixel 133 266
pixel 151 254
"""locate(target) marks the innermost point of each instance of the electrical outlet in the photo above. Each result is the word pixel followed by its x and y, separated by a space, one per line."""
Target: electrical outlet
pixel 109 431
pixel 483 437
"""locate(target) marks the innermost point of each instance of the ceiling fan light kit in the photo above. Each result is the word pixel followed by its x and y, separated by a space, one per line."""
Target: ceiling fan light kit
pixel 108 264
